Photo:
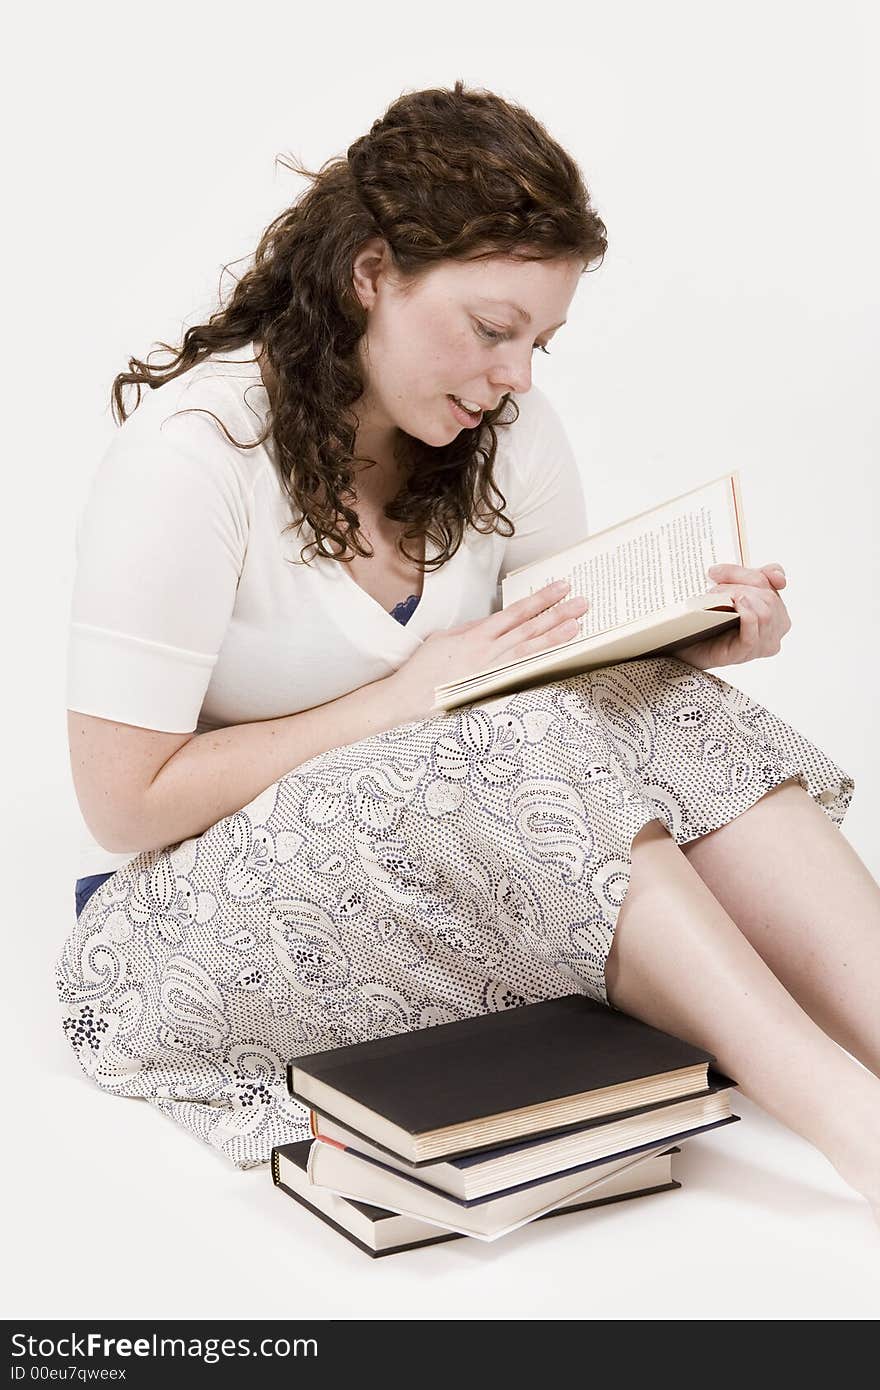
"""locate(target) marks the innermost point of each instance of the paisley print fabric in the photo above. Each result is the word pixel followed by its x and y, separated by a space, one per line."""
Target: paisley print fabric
pixel 469 862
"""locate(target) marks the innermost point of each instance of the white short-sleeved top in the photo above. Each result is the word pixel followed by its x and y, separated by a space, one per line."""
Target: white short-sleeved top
pixel 186 614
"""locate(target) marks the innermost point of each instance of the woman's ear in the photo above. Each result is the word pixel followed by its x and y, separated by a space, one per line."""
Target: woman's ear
pixel 369 264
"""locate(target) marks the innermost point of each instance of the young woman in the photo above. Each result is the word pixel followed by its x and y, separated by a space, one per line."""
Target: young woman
pixel 290 542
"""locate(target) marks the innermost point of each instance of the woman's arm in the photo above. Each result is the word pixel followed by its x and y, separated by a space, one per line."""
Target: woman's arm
pixel 220 771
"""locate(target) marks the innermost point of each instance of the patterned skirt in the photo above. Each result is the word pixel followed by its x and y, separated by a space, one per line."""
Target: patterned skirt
pixel 469 862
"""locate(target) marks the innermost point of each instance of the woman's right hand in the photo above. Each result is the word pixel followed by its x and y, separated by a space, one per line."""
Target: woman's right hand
pixel 532 624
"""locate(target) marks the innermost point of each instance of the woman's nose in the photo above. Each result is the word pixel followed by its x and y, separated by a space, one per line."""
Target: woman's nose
pixel 514 375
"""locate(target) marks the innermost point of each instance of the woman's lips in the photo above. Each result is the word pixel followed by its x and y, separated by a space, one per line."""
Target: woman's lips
pixel 464 417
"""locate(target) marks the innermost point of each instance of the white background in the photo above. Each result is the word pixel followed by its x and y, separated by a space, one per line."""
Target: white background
pixel 731 151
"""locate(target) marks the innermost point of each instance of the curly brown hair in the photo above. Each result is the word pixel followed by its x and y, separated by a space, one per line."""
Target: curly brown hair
pixel 444 174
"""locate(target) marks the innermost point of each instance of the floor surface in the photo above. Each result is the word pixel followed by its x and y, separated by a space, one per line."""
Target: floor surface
pixel 115 1211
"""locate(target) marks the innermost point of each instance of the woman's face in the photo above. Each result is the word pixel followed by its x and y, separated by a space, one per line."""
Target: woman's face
pixel 456 332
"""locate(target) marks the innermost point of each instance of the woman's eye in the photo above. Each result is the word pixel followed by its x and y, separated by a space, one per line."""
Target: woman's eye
pixel 489 333
pixel 494 337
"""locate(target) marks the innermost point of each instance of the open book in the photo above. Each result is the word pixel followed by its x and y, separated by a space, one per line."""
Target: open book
pixel 648 587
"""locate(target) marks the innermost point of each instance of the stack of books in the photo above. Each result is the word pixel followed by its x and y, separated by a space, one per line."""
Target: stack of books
pixel 476 1127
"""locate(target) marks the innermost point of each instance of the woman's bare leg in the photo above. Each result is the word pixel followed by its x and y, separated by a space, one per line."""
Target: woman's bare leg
pixel 802 896
pixel 680 963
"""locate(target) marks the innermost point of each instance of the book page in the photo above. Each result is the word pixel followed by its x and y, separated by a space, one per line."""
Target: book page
pixel 646 564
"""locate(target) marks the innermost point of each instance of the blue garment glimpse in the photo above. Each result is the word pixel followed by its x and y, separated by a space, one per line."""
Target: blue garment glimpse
pixel 85 887
pixel 404 611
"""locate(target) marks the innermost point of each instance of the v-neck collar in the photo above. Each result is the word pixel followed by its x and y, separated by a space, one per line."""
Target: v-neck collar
pixel 371 627
pixel 376 626
pixel 348 574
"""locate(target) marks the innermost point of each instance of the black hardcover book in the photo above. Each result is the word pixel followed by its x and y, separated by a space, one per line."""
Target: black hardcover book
pixel 379 1232
pixel 477 1083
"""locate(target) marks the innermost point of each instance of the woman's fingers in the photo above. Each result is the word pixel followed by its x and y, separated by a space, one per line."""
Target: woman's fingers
pixel 527 609
pixel 767 576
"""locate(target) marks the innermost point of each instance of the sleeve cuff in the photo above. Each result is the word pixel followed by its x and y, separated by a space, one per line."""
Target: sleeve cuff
pixel 134 681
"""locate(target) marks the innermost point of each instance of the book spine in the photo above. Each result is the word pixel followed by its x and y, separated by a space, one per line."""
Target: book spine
pixel 337 1144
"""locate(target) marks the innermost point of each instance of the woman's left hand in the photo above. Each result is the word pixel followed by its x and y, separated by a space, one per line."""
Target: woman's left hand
pixel 763 618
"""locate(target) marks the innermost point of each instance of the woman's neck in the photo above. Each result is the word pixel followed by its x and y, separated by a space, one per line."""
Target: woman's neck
pixel 376 483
